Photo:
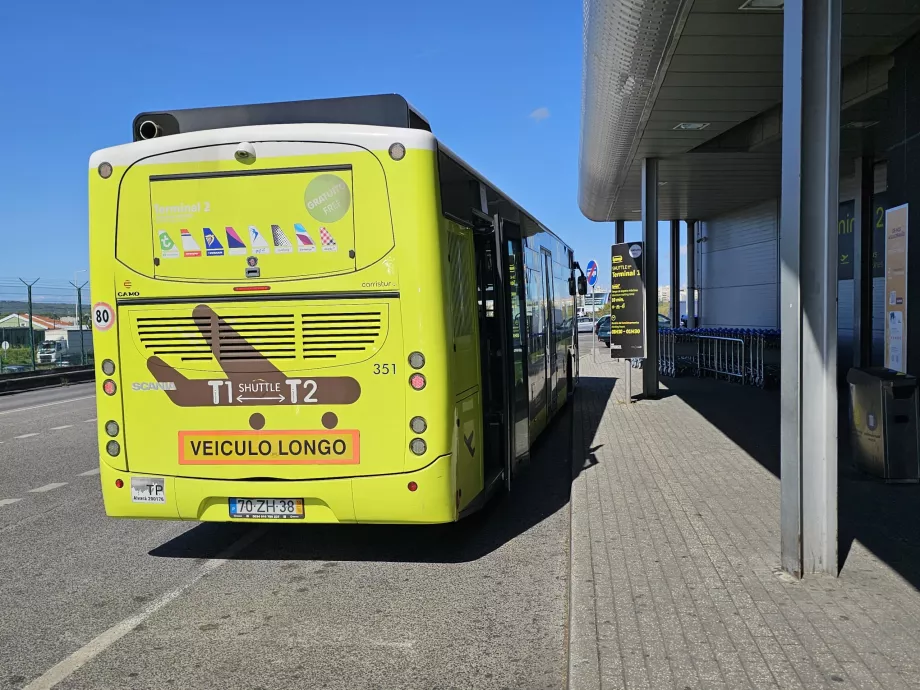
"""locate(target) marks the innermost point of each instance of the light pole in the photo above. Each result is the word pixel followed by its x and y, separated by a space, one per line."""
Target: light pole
pixel 77 306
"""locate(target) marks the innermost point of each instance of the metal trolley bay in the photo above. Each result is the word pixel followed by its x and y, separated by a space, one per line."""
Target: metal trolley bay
pixel 747 355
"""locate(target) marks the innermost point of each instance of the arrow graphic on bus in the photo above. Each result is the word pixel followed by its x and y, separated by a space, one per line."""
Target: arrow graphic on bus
pixel 279 398
pixel 468 440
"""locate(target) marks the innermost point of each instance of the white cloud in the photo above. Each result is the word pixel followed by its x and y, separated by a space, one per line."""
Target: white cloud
pixel 539 114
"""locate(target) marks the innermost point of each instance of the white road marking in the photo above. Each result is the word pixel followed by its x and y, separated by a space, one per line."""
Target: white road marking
pixel 90 421
pixel 58 428
pixel 7 501
pixel 94 648
pixel 90 473
pixel 47 487
pixel 27 435
pixel 56 402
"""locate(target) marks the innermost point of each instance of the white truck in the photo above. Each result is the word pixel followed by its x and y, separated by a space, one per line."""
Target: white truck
pixel 62 347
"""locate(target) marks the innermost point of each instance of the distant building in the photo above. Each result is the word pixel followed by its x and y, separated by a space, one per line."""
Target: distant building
pixel 14 329
pixel 594 301
pixel 39 323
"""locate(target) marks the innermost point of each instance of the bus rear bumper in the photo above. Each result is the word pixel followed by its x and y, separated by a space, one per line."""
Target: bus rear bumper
pixel 382 499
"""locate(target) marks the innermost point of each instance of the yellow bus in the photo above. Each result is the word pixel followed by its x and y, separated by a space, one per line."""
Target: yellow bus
pixel 315 311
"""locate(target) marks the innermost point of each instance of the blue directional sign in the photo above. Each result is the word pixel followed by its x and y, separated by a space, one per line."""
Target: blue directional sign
pixel 591 272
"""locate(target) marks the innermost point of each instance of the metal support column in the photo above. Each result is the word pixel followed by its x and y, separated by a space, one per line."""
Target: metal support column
pixel 691 274
pixel 650 273
pixel 620 232
pixel 674 311
pixel 862 262
pixel 808 250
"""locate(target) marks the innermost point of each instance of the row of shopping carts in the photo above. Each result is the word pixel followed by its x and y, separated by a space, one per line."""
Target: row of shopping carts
pixel 750 356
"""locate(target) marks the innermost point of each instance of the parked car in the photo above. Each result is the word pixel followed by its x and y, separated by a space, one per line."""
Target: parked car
pixel 601 321
pixel 14 369
pixel 585 324
pixel 603 330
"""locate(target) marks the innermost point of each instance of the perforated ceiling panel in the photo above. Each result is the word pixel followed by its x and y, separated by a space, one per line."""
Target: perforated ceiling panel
pixel 625 46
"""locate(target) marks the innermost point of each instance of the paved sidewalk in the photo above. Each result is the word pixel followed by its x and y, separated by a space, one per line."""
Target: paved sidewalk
pixel 675 553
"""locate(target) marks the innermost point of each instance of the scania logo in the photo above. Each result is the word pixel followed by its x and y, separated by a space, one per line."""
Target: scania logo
pixel 129 294
pixel 153 386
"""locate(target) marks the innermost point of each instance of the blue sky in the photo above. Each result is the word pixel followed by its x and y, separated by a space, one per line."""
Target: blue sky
pixel 500 83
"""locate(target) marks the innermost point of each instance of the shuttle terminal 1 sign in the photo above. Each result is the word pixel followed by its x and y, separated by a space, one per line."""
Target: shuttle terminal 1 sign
pixel 627 301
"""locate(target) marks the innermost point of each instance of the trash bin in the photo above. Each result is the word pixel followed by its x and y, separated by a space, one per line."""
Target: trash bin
pixel 883 408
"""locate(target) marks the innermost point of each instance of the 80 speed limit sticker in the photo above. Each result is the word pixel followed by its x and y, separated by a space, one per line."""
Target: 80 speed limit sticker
pixel 103 316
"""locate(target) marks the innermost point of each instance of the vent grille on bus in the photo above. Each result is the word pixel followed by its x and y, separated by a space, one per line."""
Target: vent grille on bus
pixel 232 338
pixel 297 337
pixel 334 335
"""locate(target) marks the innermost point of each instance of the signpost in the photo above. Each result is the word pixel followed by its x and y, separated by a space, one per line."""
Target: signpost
pixel 5 346
pixel 896 288
pixel 627 306
pixel 591 275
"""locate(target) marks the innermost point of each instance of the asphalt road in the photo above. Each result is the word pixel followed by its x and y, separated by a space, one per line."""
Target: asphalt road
pixel 91 602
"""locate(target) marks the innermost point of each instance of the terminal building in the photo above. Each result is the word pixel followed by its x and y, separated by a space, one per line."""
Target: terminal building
pixel 595 300
pixel 785 135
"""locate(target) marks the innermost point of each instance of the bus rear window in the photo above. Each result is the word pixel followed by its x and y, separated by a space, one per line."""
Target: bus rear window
pixel 285 222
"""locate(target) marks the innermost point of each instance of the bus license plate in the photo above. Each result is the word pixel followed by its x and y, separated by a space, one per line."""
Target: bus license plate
pixel 267 508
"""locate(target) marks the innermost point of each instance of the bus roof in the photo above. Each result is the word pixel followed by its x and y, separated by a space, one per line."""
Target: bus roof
pixel 384 110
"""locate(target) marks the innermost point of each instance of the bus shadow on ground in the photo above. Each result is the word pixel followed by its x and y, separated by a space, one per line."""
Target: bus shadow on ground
pixel 541 489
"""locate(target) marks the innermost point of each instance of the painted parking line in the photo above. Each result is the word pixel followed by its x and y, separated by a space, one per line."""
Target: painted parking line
pixel 8 501
pixel 67 667
pixel 58 428
pixel 56 402
pixel 27 435
pixel 48 487
pixel 90 473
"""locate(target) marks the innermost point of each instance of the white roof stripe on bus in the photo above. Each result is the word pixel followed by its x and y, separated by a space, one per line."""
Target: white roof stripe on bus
pixel 365 136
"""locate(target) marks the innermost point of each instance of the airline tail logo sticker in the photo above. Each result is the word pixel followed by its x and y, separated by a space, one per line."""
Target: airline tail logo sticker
pixel 282 243
pixel 304 241
pixel 235 245
pixel 189 245
pixel 168 248
pixel 259 245
pixel 213 247
pixel 329 244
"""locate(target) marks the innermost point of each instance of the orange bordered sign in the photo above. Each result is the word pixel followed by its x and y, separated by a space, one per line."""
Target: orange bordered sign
pixel 338 447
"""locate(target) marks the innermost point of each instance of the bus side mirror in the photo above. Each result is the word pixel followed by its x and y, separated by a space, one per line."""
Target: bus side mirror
pixel 572 285
pixel 582 285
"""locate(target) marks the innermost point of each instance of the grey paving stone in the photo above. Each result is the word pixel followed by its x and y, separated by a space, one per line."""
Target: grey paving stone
pixel 675 556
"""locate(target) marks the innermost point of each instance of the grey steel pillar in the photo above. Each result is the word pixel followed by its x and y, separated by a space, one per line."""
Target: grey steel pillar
pixel 675 274
pixel 650 271
pixel 691 274
pixel 862 261
pixel 620 232
pixel 808 252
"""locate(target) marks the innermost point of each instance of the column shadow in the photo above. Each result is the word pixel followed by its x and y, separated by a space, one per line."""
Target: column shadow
pixel 885 518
